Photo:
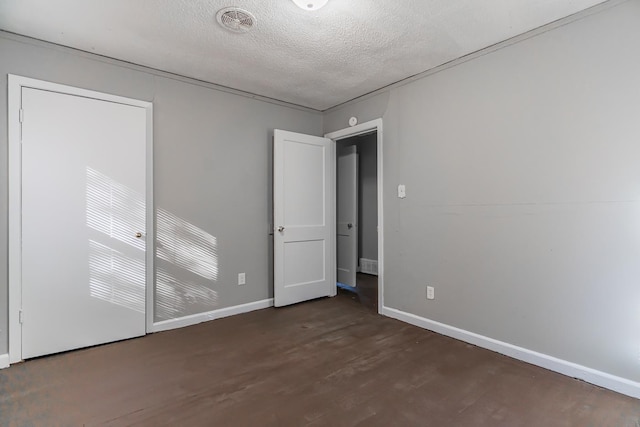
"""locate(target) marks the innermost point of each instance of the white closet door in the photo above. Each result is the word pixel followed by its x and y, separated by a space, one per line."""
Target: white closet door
pixel 83 222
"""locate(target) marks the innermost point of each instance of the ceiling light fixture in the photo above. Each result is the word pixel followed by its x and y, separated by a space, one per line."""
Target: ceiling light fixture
pixel 310 4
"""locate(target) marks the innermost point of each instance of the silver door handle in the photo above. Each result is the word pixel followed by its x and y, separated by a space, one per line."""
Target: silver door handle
pixel 138 234
pixel 281 229
pixel 349 226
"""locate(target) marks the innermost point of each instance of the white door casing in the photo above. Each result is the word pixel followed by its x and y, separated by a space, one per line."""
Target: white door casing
pixel 304 217
pixel 347 215
pixel 361 129
pixel 79 195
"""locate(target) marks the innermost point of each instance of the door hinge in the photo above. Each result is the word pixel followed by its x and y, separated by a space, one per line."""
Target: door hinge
pixel 20 317
pixel 21 116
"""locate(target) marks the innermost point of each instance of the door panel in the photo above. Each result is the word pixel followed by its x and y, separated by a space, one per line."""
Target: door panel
pixel 304 184
pixel 303 200
pixel 83 203
pixel 347 216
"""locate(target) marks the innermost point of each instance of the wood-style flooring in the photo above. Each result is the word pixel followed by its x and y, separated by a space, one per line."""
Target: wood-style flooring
pixel 365 292
pixel 329 362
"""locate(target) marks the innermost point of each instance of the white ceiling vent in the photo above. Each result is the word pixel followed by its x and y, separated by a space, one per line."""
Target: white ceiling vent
pixel 236 19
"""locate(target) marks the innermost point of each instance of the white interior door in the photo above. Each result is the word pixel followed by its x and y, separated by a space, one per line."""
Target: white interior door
pixel 304 218
pixel 83 221
pixel 347 215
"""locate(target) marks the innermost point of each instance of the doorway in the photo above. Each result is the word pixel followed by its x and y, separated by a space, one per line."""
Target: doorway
pixel 357 218
pixel 372 132
pixel 304 214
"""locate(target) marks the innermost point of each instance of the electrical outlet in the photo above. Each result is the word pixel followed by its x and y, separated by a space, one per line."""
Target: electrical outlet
pixel 242 278
pixel 431 292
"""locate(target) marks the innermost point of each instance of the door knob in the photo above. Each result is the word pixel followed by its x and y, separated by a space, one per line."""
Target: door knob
pixel 138 234
pixel 281 229
pixel 349 226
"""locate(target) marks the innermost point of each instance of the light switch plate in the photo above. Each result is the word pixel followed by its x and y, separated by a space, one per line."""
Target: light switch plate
pixel 402 191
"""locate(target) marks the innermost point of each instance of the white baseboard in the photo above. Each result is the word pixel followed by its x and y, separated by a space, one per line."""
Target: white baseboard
pixel 602 379
pixel 4 361
pixel 193 319
pixel 369 266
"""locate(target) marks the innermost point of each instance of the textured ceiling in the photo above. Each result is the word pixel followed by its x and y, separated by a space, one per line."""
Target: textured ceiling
pixel 315 59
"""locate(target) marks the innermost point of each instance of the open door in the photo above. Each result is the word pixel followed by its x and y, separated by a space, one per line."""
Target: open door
pixel 304 218
pixel 347 215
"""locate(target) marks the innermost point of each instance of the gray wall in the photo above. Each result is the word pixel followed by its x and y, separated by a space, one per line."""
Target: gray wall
pixel 522 170
pixel 212 168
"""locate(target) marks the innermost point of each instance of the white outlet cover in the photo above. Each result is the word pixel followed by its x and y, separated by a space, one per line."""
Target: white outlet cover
pixel 430 292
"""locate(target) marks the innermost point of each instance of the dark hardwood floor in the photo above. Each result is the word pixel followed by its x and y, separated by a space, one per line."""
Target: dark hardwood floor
pixel 365 292
pixel 329 362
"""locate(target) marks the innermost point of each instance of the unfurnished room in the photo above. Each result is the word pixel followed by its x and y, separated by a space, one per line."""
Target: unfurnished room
pixel 320 213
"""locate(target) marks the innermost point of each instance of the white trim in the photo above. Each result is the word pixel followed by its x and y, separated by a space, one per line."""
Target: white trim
pixel 333 269
pixel 150 247
pixel 355 130
pixel 373 125
pixel 372 263
pixel 70 90
pixel 15 85
pixel 599 378
pixel 194 319
pixel 4 361
pixel 15 218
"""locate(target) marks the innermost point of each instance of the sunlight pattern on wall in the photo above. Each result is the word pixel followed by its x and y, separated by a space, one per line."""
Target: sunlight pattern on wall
pixel 187 268
pixel 186 256
pixel 117 213
pixel 187 246
pixel 176 297
pixel 114 209
pixel 116 278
